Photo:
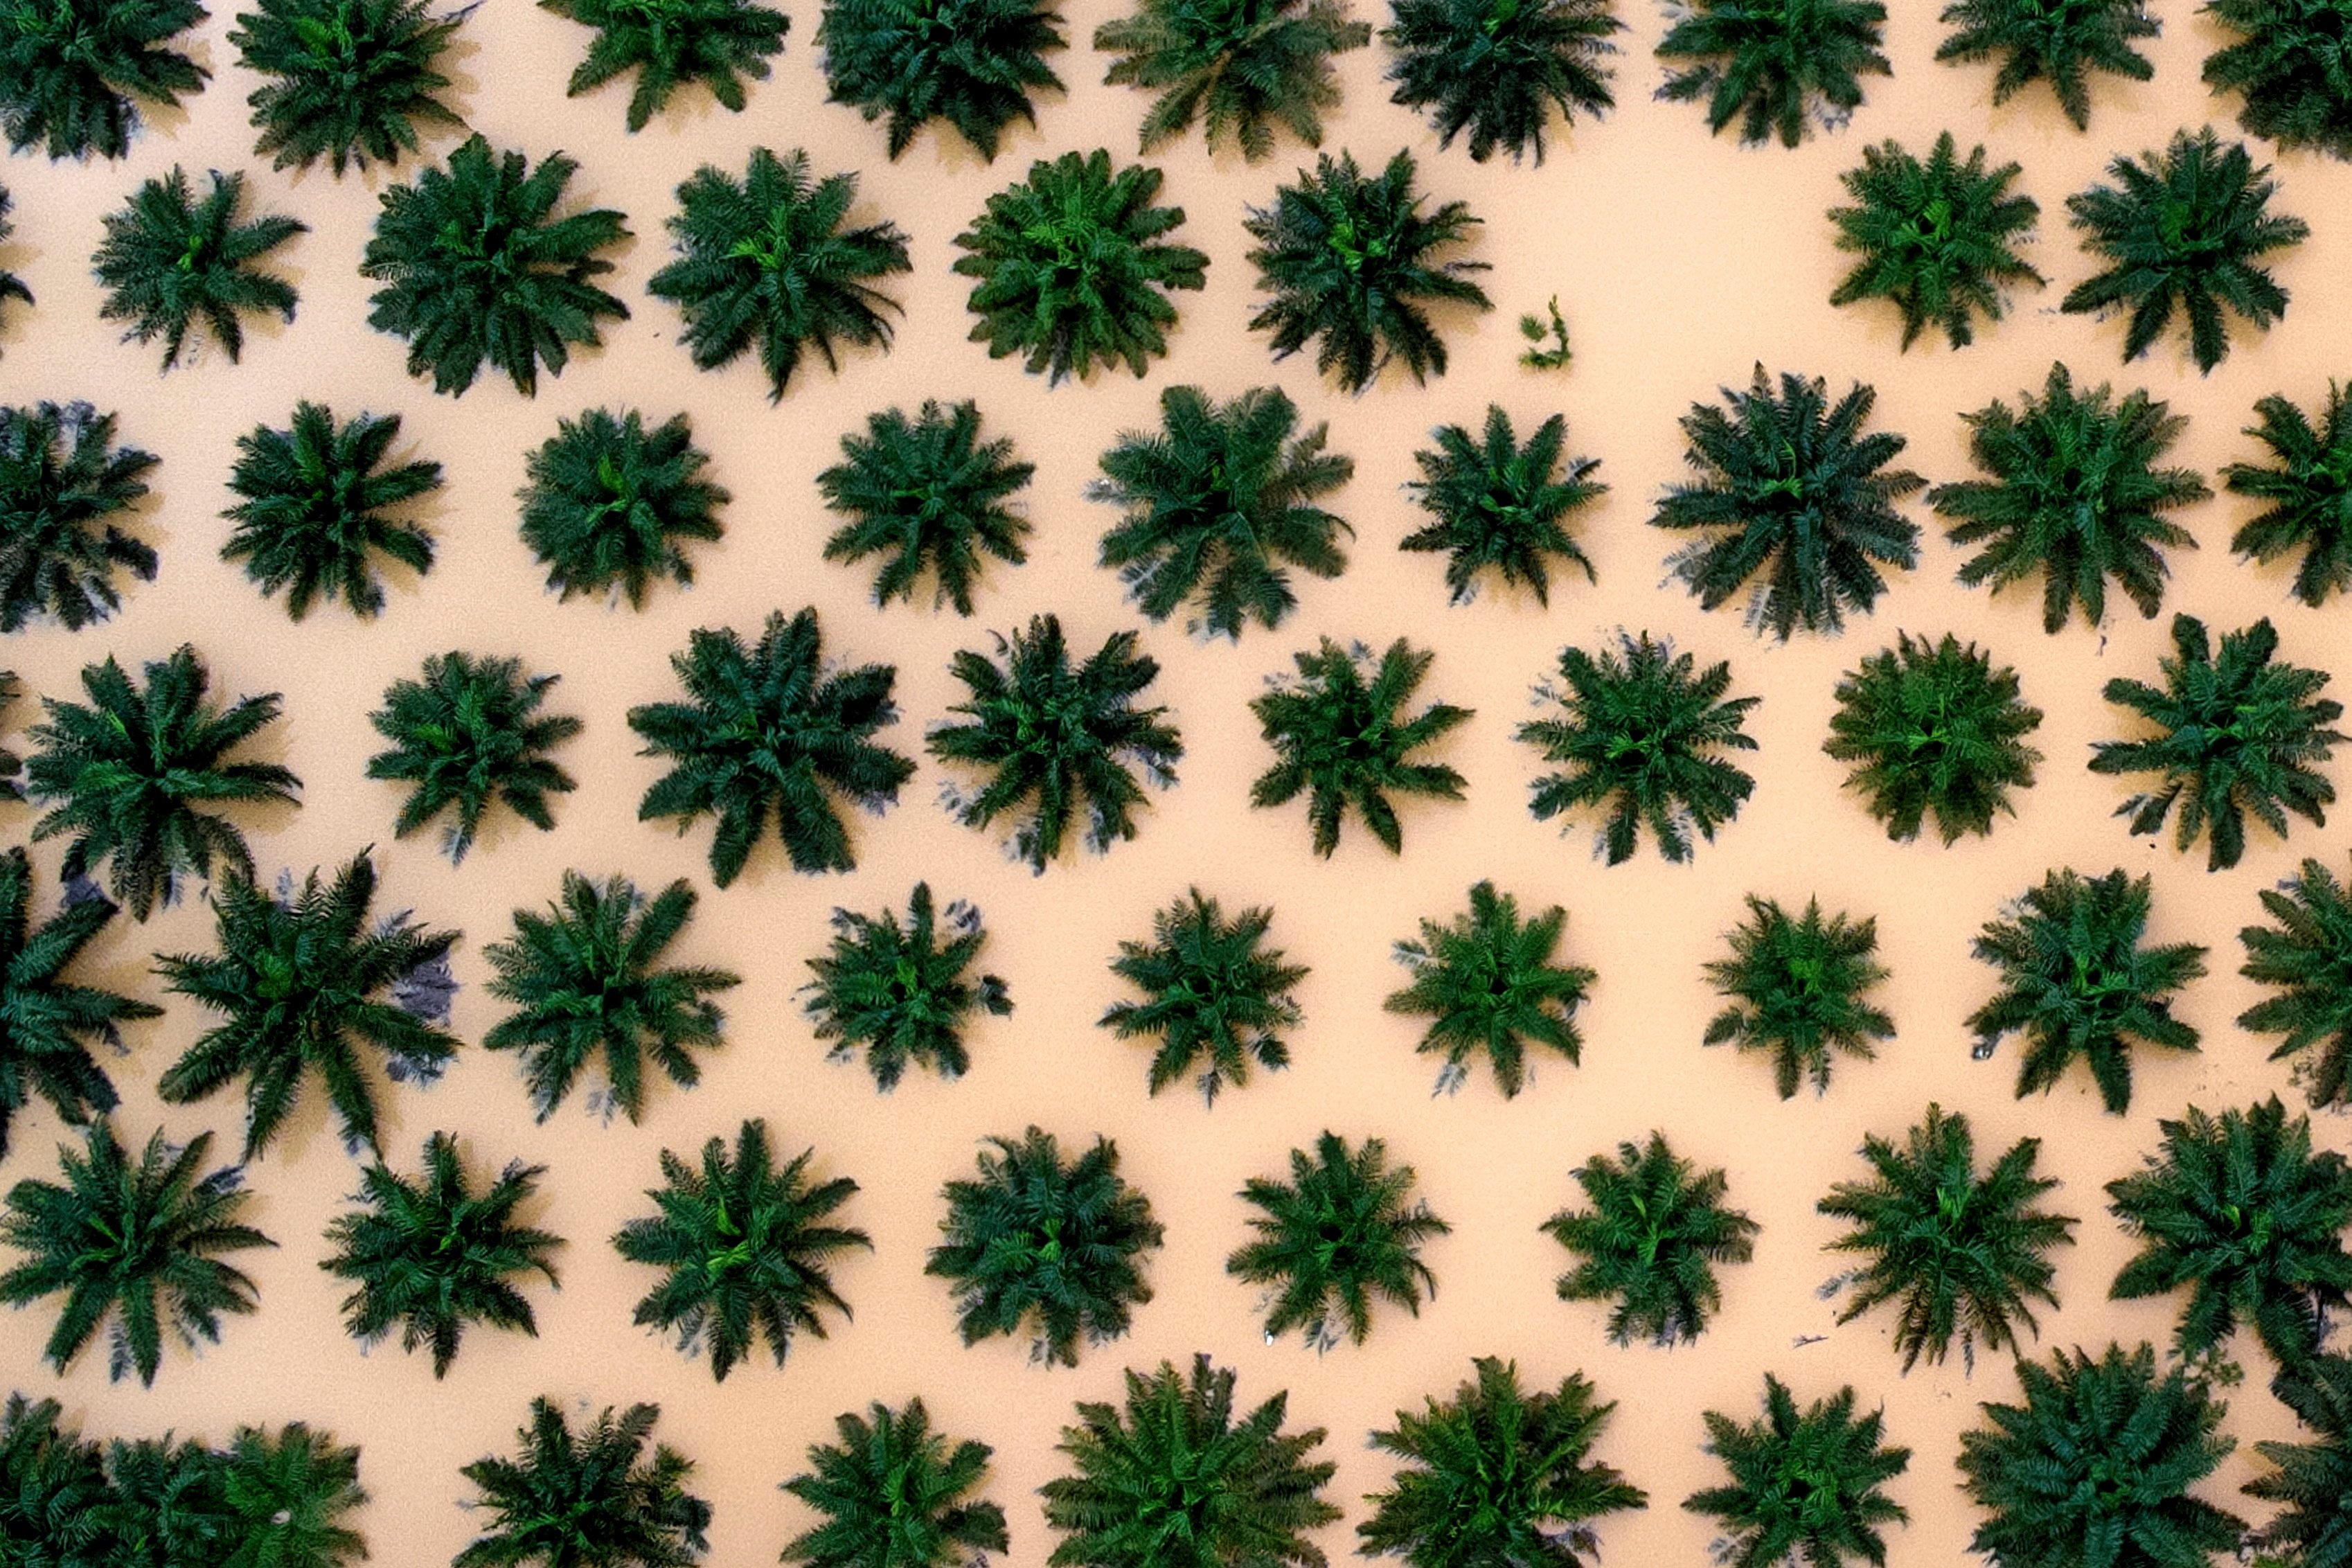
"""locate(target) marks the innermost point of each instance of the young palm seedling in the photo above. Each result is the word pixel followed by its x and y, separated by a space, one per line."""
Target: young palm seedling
pixel 347 80
pixel 1174 1465
pixel 2075 496
pixel 1071 268
pixel 1349 258
pixel 1962 1255
pixel 296 982
pixel 2285 65
pixel 470 735
pixel 170 263
pixel 1934 730
pixel 2184 229
pixel 1650 1241
pixel 1935 239
pixel 71 71
pixel 1496 69
pixel 476 267
pixel 893 1493
pixel 2240 1209
pixel 433 1254
pixel 314 517
pixel 1344 1229
pixel 124 775
pixel 2306 492
pixel 48 1024
pixel 971 63
pixel 593 1496
pixel 1772 66
pixel 2239 733
pixel 765 731
pixel 2076 981
pixel 1487 982
pixel 131 1245
pixel 927 494
pixel 745 1249
pixel 672 44
pixel 2305 957
pixel 1212 992
pixel 609 504
pixel 1792 489
pixel 1807 1485
pixel 1239 67
pixel 1496 503
pixel 1796 986
pixel 1497 1474
pixel 1643 733
pixel 63 483
pixel 2102 1451
pixel 1547 345
pixel 1049 734
pixel 1342 738
pixel 1220 506
pixel 2058 41
pixel 586 980
pixel 900 992
pixel 1046 1247
pixel 2312 1479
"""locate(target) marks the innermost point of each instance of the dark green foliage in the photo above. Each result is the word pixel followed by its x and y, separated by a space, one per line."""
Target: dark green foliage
pixel 591 1499
pixel 474 267
pixel 766 730
pixel 1802 1484
pixel 927 494
pixel 2305 957
pixel 2307 491
pixel 471 735
pixel 169 261
pixel 1348 258
pixel 972 63
pixel 313 517
pixel 1960 1253
pixel 2057 41
pixel 1539 354
pixel 1240 66
pixel 1643 734
pixel 609 503
pixel 2076 981
pixel 433 1255
pixel 12 786
pixel 1768 65
pixel 2239 734
pixel 2096 1466
pixel 350 79
pixel 1049 733
pixel 672 44
pixel 288 1494
pixel 1341 736
pixel 125 775
pixel 296 981
pixel 2184 229
pixel 745 1249
pixel 1212 992
pixel 47 1024
pixel 1650 1242
pixel 261 1503
pixel 1498 1476
pixel 1219 508
pixel 60 485
pixel 1500 504
pixel 2075 496
pixel 1342 1230
pixel 11 286
pixel 1497 67
pixel 1796 986
pixel 70 70
pixel 131 1246
pixel 165 1506
pixel 586 978
pixel 902 993
pixel 1174 1481
pixel 1072 269
pixel 1795 491
pixel 53 1490
pixel 2287 64
pixel 1935 237
pixel 1933 729
pixel 892 1495
pixel 765 263
pixel 1041 1245
pixel 2239 1209
pixel 1487 980
pixel 2313 1480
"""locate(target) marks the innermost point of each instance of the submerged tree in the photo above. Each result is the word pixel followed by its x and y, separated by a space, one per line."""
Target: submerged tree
pixel 593 1496
pixel 2306 489
pixel 1771 66
pixel 313 517
pixel 609 504
pixel 2286 65
pixel 1341 737
pixel 1933 729
pixel 71 70
pixel 1497 71
pixel 2305 955
pixel 1934 238
pixel 48 1024
pixel 2312 1479
pixel 1806 1484
pixel 348 80
pixel 1496 503
pixel 893 1493
pixel 169 261
pixel 1212 992
pixel 672 44
pixel 2061 43
pixel 1796 985
pixel 971 63
pixel 53 1488
pixel 289 1493
pixel 927 495
pixel 470 735
pixel 1649 1243
pixel 1240 68
pixel 1342 1231
pixel 63 483
pixel 1487 981
pixel 902 993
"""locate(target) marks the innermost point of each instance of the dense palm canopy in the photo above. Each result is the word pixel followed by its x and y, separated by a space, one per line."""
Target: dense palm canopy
pixel 1496 69
pixel 1650 1241
pixel 468 736
pixel 2305 487
pixel 65 488
pixel 1343 1230
pixel 317 509
pixel 73 72
pixel 2305 956
pixel 1772 66
pixel 171 262
pixel 1936 237
pixel 609 505
pixel 1805 1484
pixel 900 991
pixel 2285 61
pixel 48 1024
pixel 1933 729
pixel 587 1499
pixel 1487 982
pixel 2312 1479
pixel 893 1493
pixel 1796 986
pixel 1239 67
pixel 1216 995
pixel 1495 502
pixel 347 80
pixel 1342 737
pixel 672 44
pixel 927 495
pixel 969 63
pixel 2062 42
